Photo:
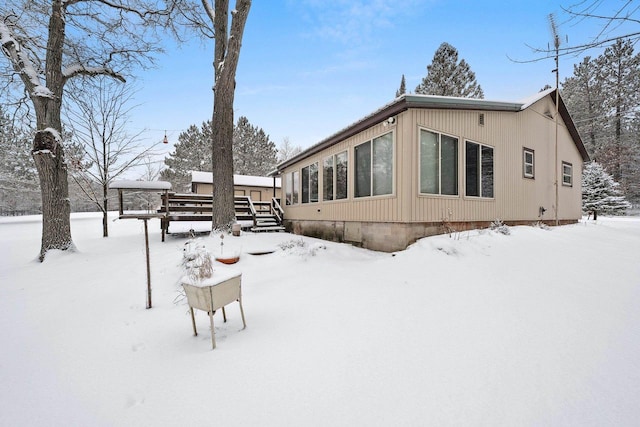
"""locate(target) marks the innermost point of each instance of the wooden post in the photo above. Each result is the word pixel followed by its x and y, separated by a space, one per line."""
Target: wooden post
pixel 146 244
pixel 164 222
pixel 120 199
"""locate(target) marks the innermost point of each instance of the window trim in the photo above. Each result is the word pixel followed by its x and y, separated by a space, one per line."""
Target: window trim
pixel 288 189
pixel 493 170
pixel 310 181
pixel 295 188
pixel 526 175
pixel 393 167
pixel 334 177
pixel 457 174
pixel 568 183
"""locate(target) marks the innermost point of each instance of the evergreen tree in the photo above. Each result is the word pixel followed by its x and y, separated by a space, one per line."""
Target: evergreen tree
pixel 603 97
pixel 621 81
pixel 584 97
pixel 448 77
pixel 600 194
pixel 403 87
pixel 19 192
pixel 192 153
pixel 253 152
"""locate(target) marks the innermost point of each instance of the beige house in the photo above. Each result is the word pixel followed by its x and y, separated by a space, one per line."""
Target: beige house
pixel 425 165
pixel 259 188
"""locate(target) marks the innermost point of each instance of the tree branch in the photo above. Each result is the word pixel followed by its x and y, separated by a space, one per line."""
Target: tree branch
pixel 76 70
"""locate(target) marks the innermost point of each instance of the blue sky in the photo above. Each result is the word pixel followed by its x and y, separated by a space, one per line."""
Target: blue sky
pixel 309 68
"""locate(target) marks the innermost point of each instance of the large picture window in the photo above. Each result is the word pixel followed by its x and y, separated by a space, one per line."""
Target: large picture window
pixel 374 167
pixel 334 175
pixel 478 170
pixel 310 183
pixel 438 163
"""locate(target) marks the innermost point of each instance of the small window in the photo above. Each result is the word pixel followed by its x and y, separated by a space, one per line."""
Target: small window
pixel 528 163
pixel 567 174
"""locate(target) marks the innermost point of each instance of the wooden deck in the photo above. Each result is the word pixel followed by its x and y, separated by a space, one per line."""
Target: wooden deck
pixel 252 215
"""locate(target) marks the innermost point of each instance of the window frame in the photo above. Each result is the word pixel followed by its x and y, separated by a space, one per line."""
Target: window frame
pixel 456 174
pixel 288 189
pixel 306 173
pixel 479 171
pixel 295 190
pixel 525 174
pixel 372 163
pixel 565 182
pixel 334 193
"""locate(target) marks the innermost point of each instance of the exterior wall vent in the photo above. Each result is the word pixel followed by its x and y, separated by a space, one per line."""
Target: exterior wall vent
pixel 481 119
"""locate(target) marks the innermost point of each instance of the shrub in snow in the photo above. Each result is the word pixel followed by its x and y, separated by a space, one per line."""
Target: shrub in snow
pixel 600 194
pixel 196 260
pixel 300 247
pixel 540 224
pixel 500 227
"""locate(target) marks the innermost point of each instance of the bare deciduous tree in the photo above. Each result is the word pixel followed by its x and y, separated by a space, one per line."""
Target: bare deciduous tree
pixel 98 121
pixel 46 44
pixel 617 21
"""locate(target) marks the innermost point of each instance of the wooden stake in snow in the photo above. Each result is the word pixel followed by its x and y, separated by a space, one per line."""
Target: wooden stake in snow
pixel 146 245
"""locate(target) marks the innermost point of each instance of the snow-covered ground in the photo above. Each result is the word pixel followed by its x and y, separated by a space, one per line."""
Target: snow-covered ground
pixel 536 328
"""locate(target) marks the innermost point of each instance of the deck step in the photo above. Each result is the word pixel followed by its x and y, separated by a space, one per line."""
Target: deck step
pixel 270 228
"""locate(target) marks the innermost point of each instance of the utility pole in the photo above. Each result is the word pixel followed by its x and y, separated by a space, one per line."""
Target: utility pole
pixel 556 43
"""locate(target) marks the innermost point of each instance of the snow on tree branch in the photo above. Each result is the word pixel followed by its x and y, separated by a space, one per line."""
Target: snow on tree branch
pixel 209 10
pixel 22 63
pixel 78 69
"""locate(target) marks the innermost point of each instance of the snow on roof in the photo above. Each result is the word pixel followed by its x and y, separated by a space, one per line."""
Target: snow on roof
pixel 241 180
pixel 530 100
pixel 140 185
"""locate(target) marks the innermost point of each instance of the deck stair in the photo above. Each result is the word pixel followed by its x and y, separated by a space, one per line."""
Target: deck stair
pixel 252 215
pixel 259 215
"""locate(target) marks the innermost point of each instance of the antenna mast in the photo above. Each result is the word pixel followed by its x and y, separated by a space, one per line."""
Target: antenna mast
pixel 556 44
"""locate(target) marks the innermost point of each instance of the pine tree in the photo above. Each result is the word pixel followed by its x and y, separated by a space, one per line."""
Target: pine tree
pixel 448 77
pixel 19 192
pixel 584 96
pixel 403 87
pixel 253 152
pixel 603 96
pixel 600 194
pixel 192 153
pixel 621 81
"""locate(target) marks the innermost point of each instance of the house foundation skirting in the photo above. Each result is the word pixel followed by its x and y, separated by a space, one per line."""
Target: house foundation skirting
pixel 389 236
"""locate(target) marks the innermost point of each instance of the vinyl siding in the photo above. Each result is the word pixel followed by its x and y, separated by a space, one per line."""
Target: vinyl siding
pixel 515 198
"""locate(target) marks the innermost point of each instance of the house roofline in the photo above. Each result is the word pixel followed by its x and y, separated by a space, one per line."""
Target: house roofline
pixel 404 102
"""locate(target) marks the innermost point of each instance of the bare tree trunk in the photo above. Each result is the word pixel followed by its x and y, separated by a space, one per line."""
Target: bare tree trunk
pixel 56 210
pixel 227 53
pixel 48 153
pixel 222 152
pixel 105 209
